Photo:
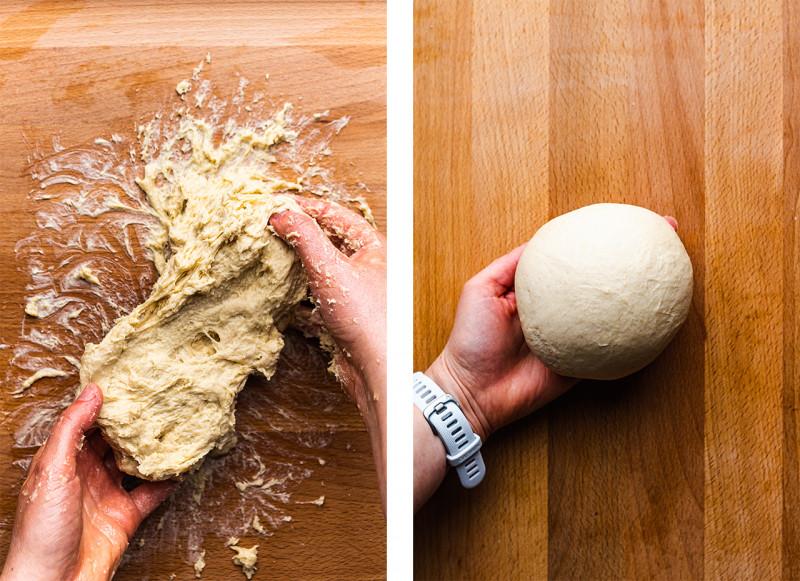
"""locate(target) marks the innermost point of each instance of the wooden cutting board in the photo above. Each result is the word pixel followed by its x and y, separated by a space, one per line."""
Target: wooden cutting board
pixel 523 111
pixel 79 70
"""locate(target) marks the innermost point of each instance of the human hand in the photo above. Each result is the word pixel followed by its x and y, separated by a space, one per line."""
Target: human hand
pixel 486 363
pixel 74 519
pixel 348 283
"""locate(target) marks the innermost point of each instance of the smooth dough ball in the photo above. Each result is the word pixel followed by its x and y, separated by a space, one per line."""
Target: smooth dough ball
pixel 602 290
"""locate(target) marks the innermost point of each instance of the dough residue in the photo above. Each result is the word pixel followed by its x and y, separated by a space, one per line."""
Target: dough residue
pixel 44 305
pixel 246 558
pixel 33 307
pixel 257 526
pixel 171 369
pixel 183 87
pixel 87 274
pixel 200 564
pixel 40 374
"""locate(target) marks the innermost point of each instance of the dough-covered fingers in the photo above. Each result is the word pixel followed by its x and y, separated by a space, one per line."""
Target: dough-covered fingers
pixel 320 257
pixel 350 227
pixel 62 446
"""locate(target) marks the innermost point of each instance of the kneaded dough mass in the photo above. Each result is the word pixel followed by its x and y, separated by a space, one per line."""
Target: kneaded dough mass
pixel 602 290
pixel 171 369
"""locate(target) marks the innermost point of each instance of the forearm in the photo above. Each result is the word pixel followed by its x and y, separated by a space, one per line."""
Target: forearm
pixel 377 435
pixel 430 464
pixel 373 410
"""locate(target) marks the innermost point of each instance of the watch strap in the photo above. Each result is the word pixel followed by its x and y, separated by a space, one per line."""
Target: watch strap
pixel 443 413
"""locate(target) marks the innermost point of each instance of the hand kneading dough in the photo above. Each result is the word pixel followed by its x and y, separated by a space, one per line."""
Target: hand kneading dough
pixel 171 369
pixel 602 290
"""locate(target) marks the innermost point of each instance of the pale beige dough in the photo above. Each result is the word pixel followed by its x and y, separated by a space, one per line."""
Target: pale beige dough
pixel 200 564
pixel 87 274
pixel 170 371
pixel 602 290
pixel 246 558
pixel 39 374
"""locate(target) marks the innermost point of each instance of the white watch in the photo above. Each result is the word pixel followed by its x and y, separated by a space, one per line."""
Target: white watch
pixel 444 415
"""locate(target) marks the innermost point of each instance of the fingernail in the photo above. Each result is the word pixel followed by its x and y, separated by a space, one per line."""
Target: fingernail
pixel 277 215
pixel 88 394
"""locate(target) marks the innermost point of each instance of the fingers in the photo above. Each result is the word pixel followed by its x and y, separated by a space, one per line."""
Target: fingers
pixel 149 495
pixel 341 222
pixel 496 279
pixel 303 234
pixel 313 246
pixel 64 441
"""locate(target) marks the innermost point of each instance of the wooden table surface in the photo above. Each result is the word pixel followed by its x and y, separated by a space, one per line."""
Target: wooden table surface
pixel 85 69
pixel 523 111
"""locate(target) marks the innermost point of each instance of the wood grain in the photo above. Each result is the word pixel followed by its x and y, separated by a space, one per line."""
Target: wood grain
pixel 791 281
pixel 80 70
pixel 689 468
pixel 744 205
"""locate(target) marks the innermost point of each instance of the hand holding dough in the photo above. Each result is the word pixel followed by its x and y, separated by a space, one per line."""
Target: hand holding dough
pixel 602 290
pixel 348 283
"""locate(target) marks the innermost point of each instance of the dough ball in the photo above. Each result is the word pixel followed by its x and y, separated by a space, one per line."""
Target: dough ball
pixel 602 290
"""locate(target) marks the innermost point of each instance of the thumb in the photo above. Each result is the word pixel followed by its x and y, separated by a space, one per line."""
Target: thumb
pixel 148 495
pixel 496 279
pixel 65 439
pixel 316 251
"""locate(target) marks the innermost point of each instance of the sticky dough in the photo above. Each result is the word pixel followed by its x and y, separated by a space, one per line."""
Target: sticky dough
pixel 170 371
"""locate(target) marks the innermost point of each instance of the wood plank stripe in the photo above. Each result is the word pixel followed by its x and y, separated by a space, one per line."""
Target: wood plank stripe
pixel 744 285
pixel 442 187
pixel 442 122
pixel 791 281
pixel 510 133
pixel 626 472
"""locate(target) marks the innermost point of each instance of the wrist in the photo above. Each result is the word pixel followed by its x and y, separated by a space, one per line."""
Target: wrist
pixel 450 381
pixel 430 461
pixel 21 565
pixel 369 392
pixel 16 569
